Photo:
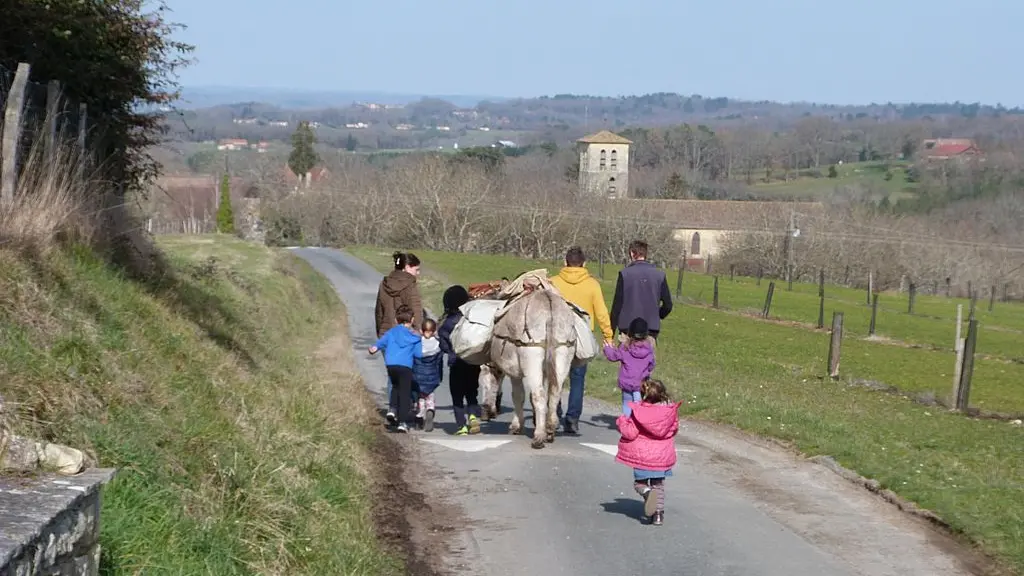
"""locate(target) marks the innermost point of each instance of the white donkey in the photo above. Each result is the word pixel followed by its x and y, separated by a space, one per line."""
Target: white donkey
pixel 533 343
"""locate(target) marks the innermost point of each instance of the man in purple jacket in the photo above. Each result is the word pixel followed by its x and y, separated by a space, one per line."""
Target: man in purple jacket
pixel 641 291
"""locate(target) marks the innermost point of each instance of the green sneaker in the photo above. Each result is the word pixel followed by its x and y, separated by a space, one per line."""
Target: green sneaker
pixel 474 425
pixel 464 431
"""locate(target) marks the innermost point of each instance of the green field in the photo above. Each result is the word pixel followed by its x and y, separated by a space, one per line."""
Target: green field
pixel 869 175
pixel 765 377
pixel 234 454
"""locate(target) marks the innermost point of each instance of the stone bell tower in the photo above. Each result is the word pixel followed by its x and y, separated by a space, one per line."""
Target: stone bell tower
pixel 604 165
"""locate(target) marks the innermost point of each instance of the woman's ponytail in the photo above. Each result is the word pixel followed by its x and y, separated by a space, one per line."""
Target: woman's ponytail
pixel 403 259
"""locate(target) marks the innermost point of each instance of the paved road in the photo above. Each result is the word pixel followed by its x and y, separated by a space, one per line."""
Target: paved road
pixel 733 508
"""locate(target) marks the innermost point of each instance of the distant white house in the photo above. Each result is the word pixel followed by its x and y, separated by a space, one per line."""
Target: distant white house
pixel 504 144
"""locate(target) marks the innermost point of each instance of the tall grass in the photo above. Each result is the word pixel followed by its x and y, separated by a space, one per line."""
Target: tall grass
pixel 238 452
pixel 54 202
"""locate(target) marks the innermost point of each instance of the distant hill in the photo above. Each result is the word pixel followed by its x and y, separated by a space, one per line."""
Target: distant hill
pixel 195 97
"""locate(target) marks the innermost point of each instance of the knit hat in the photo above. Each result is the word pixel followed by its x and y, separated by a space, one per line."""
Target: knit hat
pixel 638 329
pixel 454 297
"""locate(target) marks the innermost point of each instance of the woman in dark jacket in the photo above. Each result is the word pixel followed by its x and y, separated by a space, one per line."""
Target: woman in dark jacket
pixel 398 288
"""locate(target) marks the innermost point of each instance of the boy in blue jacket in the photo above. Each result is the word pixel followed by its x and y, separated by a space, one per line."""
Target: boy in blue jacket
pixel 427 373
pixel 401 347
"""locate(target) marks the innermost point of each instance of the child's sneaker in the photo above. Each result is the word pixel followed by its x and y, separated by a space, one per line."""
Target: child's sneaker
pixel 428 421
pixel 403 428
pixel 392 420
pixel 474 425
pixel 658 518
pixel 462 431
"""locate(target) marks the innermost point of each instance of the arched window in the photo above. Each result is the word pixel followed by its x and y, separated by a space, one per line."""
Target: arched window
pixel 615 160
pixel 604 155
pixel 695 244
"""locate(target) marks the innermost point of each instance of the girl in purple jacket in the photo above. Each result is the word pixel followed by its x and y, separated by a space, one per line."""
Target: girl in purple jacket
pixel 636 362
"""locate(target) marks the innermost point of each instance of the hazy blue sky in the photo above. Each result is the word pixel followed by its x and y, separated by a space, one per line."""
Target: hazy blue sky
pixel 812 50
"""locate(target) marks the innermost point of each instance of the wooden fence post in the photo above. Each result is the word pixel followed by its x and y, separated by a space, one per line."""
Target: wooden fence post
pixel 679 279
pixel 970 289
pixel 760 274
pixel 83 125
pixel 974 305
pixel 1006 292
pixel 708 269
pixel 910 301
pixel 52 115
pixel 835 345
pixel 715 300
pixel 991 298
pixel 846 277
pixel 963 391
pixel 874 314
pixel 949 286
pixel 871 286
pixel 12 132
pixel 821 298
pixel 732 272
pixel 789 282
pixel 768 300
pixel 958 349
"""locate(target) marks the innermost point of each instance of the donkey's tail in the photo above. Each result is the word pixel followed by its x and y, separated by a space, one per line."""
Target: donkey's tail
pixel 551 343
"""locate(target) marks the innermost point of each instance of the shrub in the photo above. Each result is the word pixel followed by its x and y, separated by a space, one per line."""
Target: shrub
pixel 225 214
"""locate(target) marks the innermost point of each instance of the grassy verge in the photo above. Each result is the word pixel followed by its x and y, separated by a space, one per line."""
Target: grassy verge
pixel 237 453
pixel 764 378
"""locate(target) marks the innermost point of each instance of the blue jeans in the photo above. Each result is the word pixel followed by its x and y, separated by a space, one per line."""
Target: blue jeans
pixel 577 380
pixel 628 397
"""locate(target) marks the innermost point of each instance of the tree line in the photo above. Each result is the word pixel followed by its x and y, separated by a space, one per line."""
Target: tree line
pixel 526 206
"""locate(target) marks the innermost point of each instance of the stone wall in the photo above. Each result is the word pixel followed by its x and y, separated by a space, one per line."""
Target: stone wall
pixel 50 524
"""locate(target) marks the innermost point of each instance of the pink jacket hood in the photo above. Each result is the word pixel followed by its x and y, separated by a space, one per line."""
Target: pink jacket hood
pixel 648 436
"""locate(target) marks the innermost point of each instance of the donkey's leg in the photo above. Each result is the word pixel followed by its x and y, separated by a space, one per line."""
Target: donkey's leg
pixel 563 363
pixel 518 399
pixel 538 397
pixel 490 379
pixel 533 380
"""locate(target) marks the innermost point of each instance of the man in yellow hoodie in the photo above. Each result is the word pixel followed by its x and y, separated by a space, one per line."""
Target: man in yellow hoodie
pixel 579 287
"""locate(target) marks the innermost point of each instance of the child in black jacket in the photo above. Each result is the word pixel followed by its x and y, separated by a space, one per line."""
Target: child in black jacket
pixel 463 377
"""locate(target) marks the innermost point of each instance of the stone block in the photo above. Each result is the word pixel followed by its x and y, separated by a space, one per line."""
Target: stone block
pixel 49 525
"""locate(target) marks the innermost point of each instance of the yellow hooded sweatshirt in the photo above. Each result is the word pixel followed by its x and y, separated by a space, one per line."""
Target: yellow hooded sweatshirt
pixel 582 289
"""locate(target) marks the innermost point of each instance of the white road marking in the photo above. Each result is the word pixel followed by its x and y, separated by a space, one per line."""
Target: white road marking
pixel 467 445
pixel 613 449
pixel 610 449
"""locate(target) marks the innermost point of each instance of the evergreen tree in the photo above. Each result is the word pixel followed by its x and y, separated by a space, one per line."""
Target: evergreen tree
pixel 675 187
pixel 303 157
pixel 225 214
pixel 832 172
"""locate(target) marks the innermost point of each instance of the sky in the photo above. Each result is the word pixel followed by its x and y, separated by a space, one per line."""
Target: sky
pixel 823 51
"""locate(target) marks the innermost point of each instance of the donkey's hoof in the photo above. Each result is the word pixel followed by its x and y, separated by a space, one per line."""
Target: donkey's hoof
pixel 513 430
pixel 550 437
pixel 538 444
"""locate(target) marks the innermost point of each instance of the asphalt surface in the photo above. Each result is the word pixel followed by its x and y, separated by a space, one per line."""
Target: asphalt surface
pixel 733 507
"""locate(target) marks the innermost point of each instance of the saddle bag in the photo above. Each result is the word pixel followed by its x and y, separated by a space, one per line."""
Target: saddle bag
pixel 586 344
pixel 471 337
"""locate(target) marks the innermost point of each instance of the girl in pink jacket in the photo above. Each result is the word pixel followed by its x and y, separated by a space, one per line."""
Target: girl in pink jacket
pixel 648 445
